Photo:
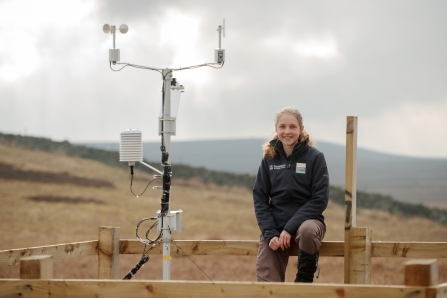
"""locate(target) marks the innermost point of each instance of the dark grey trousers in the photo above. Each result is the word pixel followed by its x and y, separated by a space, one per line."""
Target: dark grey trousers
pixel 271 265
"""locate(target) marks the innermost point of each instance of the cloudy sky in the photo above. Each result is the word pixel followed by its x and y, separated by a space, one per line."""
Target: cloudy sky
pixel 383 61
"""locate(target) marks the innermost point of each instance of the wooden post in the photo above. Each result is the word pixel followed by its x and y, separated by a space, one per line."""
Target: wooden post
pixel 360 257
pixel 36 267
pixel 350 187
pixel 421 273
pixel 108 252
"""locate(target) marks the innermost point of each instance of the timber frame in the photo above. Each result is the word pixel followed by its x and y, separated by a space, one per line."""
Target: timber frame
pixel 421 276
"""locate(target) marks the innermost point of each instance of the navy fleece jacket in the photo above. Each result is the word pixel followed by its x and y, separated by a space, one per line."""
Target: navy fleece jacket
pixel 290 190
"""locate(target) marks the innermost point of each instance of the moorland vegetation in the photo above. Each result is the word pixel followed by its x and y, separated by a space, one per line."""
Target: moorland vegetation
pixel 56 192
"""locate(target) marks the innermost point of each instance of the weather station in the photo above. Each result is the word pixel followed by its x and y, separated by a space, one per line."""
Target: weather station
pixel 131 150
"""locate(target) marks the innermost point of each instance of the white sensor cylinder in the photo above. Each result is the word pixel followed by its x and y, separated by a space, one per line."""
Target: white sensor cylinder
pixel 219 55
pixel 114 55
pixel 131 145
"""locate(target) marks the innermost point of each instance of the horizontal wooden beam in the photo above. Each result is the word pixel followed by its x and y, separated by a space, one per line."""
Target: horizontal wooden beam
pixel 328 248
pixel 425 250
pixel 435 250
pixel 221 248
pixel 58 251
pixel 135 288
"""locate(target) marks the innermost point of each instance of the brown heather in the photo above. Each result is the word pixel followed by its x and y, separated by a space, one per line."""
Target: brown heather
pixel 65 199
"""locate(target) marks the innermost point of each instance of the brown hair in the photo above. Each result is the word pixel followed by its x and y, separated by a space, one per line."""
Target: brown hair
pixel 268 149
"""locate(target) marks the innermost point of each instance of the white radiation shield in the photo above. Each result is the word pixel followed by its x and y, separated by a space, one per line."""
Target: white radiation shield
pixel 131 146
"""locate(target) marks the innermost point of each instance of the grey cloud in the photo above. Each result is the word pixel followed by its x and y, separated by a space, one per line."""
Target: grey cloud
pixel 389 53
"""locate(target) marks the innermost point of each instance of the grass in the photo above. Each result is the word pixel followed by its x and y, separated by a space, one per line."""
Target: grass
pixel 209 212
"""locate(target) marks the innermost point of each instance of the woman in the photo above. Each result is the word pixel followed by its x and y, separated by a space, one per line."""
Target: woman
pixel 290 194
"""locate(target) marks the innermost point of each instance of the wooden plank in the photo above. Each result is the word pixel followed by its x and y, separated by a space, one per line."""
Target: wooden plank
pixel 221 247
pixel 58 251
pixel 328 248
pixel 332 248
pixel 360 257
pixel 36 267
pixel 421 273
pixel 350 187
pixel 108 253
pixel 386 249
pixel 196 247
pixel 185 289
pixel 389 249
pixel 439 291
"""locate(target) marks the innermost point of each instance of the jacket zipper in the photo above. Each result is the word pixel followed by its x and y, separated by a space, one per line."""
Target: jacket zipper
pixel 289 160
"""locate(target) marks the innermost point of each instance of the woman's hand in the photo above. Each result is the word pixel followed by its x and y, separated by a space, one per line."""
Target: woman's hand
pixel 284 240
pixel 274 243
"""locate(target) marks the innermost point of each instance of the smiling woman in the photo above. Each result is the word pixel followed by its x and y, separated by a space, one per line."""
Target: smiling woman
pixel 291 192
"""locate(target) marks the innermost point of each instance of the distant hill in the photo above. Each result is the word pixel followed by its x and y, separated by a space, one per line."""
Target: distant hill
pixel 50 195
pixel 364 200
pixel 407 179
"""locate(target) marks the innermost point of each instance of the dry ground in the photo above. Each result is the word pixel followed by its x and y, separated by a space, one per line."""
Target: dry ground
pixel 49 199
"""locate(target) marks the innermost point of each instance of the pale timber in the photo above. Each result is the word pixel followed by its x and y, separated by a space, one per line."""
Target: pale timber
pixel 58 251
pixel 439 291
pixel 221 247
pixel 421 272
pixel 184 289
pixel 350 188
pixel 36 267
pixel 386 249
pixel 360 256
pixel 108 253
pixel 390 249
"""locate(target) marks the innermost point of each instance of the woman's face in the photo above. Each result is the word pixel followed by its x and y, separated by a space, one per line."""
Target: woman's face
pixel 288 130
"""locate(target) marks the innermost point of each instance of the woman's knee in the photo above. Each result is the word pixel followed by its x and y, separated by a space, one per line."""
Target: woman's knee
pixel 307 230
pixel 309 236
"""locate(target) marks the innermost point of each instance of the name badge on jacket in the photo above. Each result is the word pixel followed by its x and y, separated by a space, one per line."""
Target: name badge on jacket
pixel 300 168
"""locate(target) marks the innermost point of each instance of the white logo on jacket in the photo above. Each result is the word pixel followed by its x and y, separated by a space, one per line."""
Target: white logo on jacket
pixel 275 167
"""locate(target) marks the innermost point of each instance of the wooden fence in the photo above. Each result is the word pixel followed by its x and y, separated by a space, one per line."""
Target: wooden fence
pixel 36 270
pixel 421 276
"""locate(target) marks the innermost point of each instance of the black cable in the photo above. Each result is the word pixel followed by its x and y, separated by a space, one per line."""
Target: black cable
pixel 116 69
pixel 143 260
pixel 131 182
pixel 132 65
pixel 144 257
pixel 166 188
pixel 162 148
pixel 149 241
pixel 137 267
pixel 147 234
pixel 217 67
pixel 198 66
